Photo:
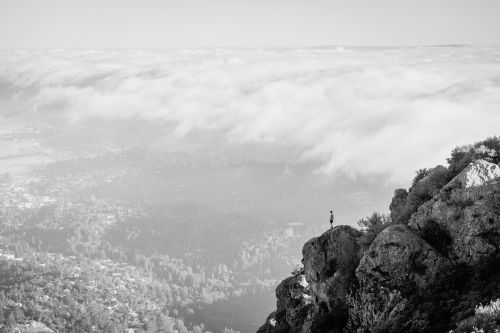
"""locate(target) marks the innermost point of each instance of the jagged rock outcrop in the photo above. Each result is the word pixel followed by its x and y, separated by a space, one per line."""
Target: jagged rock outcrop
pixel 330 262
pixel 425 272
pixel 398 204
pixel 292 306
pixel 404 203
pixel 463 220
pixel 452 239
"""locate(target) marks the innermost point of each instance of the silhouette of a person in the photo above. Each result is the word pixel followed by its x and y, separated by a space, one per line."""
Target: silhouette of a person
pixel 331 219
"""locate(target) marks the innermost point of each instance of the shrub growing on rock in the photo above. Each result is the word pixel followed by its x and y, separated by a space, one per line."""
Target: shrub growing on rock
pixel 486 319
pixel 424 189
pixel 367 314
pixel 461 157
pixel 372 226
pixel 421 173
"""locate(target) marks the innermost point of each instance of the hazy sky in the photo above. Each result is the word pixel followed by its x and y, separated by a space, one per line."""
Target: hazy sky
pixel 238 23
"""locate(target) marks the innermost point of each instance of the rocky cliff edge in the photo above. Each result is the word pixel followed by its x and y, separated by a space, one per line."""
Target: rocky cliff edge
pixel 424 272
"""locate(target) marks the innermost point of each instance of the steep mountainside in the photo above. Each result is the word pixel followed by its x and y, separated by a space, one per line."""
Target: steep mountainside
pixel 426 268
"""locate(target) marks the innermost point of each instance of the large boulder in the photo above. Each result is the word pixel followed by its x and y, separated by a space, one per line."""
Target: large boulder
pixel 330 261
pixel 396 266
pixel 463 220
pixel 316 300
pixel 399 259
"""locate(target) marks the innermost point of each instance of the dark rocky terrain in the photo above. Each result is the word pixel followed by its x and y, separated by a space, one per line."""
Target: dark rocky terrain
pixel 428 267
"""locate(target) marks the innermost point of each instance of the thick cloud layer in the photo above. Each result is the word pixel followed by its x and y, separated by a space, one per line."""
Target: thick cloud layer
pixel 355 111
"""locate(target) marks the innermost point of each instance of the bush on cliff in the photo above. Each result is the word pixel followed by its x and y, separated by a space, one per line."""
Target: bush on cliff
pixel 372 226
pixel 462 156
pixel 420 174
pixel 486 319
pixel 366 313
pixel 426 184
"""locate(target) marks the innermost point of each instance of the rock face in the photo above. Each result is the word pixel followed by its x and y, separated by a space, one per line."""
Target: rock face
pixel 406 203
pixel 293 303
pixel 330 262
pixel 398 258
pixel 316 300
pixel 478 173
pixel 425 272
pixel 397 264
pixel 463 220
pixel 398 204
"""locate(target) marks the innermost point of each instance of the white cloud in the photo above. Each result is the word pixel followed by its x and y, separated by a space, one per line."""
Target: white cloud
pixel 364 112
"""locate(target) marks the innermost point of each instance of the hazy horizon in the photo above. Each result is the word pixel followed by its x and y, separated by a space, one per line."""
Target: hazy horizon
pixel 223 23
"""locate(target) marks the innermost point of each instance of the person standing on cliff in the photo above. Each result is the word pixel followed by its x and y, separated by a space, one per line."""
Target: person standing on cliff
pixel 331 219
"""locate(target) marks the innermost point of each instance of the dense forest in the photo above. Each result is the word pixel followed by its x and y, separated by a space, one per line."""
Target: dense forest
pixel 78 259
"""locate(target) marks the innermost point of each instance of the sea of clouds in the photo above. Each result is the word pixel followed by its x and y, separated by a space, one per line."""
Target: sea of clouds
pixel 354 111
